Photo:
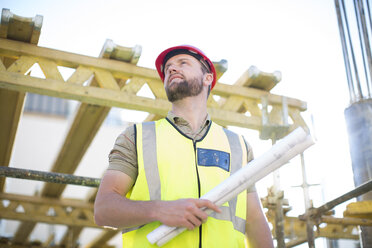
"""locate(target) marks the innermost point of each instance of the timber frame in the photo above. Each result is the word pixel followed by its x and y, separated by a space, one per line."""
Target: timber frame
pixel 113 80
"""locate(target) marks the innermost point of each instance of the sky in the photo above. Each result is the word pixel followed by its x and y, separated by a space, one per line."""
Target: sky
pixel 299 38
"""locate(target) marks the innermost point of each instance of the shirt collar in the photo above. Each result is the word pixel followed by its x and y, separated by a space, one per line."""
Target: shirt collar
pixel 178 120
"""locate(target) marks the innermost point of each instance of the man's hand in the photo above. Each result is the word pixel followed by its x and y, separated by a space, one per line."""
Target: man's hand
pixel 184 212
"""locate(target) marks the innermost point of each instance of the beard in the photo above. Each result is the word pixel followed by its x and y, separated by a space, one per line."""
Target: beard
pixel 185 88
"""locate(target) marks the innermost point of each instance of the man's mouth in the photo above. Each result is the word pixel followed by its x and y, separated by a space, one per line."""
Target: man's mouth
pixel 171 78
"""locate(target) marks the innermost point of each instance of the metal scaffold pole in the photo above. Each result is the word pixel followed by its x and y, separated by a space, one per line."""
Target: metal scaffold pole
pixel 308 205
pixel 51 177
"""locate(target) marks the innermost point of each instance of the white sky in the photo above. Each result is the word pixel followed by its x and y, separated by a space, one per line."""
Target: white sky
pixel 297 37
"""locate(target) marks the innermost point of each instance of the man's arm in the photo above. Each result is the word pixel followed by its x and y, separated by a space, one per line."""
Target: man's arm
pixel 257 229
pixel 112 208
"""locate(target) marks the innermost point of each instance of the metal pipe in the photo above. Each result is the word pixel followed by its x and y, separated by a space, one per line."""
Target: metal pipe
pixel 359 89
pixel 345 52
pixel 309 222
pixel 369 16
pixel 279 195
pixel 317 212
pixel 51 177
pixel 362 48
pixel 367 46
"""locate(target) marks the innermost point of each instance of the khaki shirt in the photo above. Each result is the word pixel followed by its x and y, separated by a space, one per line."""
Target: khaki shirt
pixel 123 157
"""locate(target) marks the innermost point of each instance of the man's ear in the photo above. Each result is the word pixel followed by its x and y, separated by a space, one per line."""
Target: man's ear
pixel 208 79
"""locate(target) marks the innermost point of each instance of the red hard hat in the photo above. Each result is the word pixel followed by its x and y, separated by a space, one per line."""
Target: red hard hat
pixel 191 50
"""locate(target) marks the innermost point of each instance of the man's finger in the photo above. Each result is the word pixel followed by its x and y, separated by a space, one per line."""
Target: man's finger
pixel 208 204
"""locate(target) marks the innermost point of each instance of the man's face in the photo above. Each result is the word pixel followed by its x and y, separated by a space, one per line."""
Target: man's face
pixel 183 77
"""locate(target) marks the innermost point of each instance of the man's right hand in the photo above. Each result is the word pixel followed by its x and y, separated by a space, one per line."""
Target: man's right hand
pixel 184 212
pixel 112 208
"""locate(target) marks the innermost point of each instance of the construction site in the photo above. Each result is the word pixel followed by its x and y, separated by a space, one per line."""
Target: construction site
pixel 62 110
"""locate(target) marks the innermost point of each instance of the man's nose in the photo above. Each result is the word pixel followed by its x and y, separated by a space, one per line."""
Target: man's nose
pixel 173 69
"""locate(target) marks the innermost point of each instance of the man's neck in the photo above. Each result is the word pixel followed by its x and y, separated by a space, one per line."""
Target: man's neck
pixel 192 110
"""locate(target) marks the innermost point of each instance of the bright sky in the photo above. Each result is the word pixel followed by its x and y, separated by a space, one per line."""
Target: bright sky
pixel 300 38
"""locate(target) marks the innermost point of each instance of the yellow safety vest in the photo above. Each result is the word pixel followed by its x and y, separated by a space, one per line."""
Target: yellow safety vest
pixel 172 166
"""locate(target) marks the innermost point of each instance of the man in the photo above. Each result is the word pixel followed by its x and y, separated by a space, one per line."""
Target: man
pixel 158 170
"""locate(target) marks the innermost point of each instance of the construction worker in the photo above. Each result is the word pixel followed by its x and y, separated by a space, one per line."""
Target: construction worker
pixel 158 170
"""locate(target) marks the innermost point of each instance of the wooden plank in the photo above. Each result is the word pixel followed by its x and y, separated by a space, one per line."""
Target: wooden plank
pixel 134 85
pixel 71 236
pixel 346 221
pixel 106 80
pixel 360 209
pixel 86 124
pixel 108 97
pixel 50 69
pixel 46 201
pixel 20 28
pixel 82 131
pixel 11 107
pixel 30 218
pixel 49 241
pixel 117 68
pixel 80 76
pixel 22 65
pixel 36 209
pixel 157 89
pixel 20 236
pixel 257 79
pixel 226 90
pixel 2 66
pixel 295 228
pixel 76 231
pixel 276 115
pixel 121 69
pixel 297 119
pixel 102 239
pixel 211 103
pixel 252 107
pixel 234 103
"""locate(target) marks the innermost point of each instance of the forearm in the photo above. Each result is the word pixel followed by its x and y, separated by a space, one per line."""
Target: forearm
pixel 112 208
pixel 257 229
pixel 116 211
pixel 259 234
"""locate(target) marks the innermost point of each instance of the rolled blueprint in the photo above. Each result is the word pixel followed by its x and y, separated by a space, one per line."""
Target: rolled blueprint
pixel 279 154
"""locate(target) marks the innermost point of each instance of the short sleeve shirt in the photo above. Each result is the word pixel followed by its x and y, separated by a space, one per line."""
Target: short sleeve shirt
pixel 123 156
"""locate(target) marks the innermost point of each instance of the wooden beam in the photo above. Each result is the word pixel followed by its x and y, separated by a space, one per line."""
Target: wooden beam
pixel 346 221
pixel 11 107
pixel 102 239
pixel 257 79
pixel 86 123
pixel 360 209
pixel 295 242
pixel 119 69
pixel 107 97
pixel 295 229
pixel 33 209
pixel 226 90
pixel 71 236
pixel 126 70
pixel 25 29
pixel 11 102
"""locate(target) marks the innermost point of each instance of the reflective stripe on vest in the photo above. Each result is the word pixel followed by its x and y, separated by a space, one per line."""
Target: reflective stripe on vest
pixel 150 160
pixel 153 178
pixel 236 162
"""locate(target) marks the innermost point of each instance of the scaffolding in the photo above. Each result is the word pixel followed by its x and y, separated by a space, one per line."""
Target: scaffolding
pixel 113 80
